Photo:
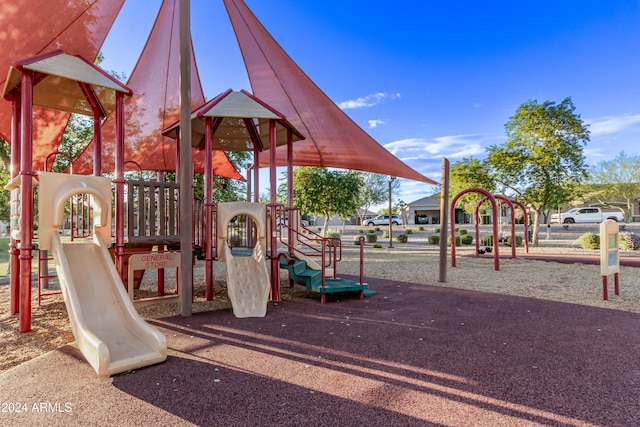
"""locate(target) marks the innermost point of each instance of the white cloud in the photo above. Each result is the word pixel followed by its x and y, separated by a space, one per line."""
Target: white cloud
pixel 452 147
pixel 367 101
pixel 610 124
pixel 375 123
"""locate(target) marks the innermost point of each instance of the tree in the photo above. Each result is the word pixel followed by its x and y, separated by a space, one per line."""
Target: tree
pixel 374 191
pixel 616 179
pixel 470 173
pixel 5 176
pixel 542 161
pixel 326 192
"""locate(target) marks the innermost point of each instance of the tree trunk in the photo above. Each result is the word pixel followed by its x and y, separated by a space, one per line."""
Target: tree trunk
pixel 536 227
pixel 326 225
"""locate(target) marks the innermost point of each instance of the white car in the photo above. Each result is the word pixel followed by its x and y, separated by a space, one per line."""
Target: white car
pixel 384 220
pixel 285 221
pixel 586 215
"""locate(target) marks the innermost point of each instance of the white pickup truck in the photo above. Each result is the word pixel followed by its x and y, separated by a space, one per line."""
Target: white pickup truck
pixel 585 215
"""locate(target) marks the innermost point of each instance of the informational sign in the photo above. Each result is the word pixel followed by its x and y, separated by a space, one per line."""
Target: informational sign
pixel 609 255
pixel 609 248
pixel 155 260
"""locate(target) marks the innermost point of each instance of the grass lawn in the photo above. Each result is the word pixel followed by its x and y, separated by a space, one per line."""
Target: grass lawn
pixel 4 258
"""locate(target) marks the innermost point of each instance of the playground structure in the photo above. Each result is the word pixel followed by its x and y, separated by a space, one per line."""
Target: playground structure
pixel 495 222
pixel 145 213
pixel 107 328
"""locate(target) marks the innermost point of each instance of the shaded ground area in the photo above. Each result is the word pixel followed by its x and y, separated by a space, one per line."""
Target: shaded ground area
pixel 411 355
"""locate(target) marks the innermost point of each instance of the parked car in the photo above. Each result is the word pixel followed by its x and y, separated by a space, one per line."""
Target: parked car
pixel 422 220
pixel 587 215
pixel 285 221
pixel 384 220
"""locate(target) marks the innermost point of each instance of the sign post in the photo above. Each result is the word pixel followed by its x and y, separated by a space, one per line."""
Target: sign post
pixel 609 254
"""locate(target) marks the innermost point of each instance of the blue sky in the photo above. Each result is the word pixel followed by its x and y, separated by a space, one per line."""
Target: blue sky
pixel 432 79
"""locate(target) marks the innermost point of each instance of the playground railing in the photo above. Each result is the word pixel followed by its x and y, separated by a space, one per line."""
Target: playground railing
pixel 242 232
pixel 328 250
pixel 152 213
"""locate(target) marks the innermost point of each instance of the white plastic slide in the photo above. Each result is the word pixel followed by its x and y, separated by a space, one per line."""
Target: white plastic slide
pixel 107 328
pixel 248 282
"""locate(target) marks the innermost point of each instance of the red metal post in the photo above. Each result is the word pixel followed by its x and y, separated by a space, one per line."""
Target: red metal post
pixel 477 221
pixel 605 295
pixel 177 156
pixel 26 199
pixel 119 181
pixel 361 240
pixel 256 174
pixel 160 177
pixel 275 267
pixel 290 212
pixel 14 259
pixel 97 143
pixel 452 214
pixel 208 203
pixel 512 223
pixel 616 284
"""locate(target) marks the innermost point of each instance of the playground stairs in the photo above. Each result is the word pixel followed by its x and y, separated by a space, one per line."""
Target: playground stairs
pixel 312 279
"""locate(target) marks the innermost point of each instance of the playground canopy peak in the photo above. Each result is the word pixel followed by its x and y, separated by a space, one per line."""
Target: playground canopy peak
pixel 60 83
pixel 155 81
pixel 241 119
pixel 333 139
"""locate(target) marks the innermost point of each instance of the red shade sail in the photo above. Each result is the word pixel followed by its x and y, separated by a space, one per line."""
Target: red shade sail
pixel 33 27
pixel 333 139
pixel 154 106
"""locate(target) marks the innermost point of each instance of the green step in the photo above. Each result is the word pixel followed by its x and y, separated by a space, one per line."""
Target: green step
pixel 313 280
pixel 342 285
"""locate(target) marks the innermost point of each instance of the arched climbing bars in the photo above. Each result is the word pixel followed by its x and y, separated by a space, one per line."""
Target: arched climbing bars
pixel 496 255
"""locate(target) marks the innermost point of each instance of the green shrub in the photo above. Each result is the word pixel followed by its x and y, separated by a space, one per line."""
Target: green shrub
pixel 518 241
pixel 437 230
pixel 463 232
pixel 487 240
pixel 457 241
pixel 466 239
pixel 372 238
pixel 434 239
pixel 457 229
pixel 420 228
pixel 629 241
pixel 333 233
pixel 371 231
pixel 377 245
pixel 377 228
pixel 385 235
pixel 360 231
pixel 408 231
pixel 589 241
pixel 402 238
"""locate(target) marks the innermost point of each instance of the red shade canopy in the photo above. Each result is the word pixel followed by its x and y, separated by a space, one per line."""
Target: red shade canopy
pixel 333 139
pixel 155 82
pixel 33 27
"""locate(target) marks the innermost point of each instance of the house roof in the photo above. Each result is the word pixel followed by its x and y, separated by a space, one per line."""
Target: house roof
pixel 429 201
pixel 242 121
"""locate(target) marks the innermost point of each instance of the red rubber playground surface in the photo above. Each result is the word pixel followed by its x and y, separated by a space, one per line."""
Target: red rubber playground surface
pixel 412 355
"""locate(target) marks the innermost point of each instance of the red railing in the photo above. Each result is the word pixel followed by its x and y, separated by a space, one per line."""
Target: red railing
pixel 328 250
